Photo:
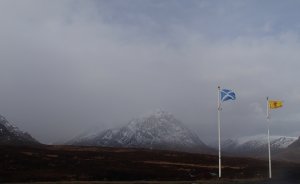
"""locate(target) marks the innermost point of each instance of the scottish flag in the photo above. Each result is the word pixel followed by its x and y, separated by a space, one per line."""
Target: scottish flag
pixel 227 94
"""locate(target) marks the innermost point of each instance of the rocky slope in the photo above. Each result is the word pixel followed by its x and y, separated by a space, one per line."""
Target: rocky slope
pixel 11 135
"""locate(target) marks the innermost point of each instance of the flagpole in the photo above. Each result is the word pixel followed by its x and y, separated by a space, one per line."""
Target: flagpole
pixel 219 130
pixel 269 147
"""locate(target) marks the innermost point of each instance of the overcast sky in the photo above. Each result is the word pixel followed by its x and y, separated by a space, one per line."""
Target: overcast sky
pixel 69 66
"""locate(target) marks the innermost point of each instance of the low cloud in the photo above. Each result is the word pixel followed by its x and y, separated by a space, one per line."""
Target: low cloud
pixel 68 66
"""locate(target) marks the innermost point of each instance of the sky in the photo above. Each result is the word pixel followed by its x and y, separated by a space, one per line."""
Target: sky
pixel 68 66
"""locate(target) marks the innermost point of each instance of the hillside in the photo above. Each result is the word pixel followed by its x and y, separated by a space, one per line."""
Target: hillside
pixel 257 145
pixel 11 135
pixel 291 153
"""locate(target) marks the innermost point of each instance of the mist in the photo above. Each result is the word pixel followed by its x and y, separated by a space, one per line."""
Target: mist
pixel 69 66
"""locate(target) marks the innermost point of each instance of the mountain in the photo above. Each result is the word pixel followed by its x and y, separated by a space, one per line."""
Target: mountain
pixel 291 153
pixel 158 130
pixel 295 144
pixel 11 135
pixel 256 145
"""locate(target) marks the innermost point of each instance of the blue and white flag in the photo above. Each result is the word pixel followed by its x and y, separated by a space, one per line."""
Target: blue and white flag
pixel 227 94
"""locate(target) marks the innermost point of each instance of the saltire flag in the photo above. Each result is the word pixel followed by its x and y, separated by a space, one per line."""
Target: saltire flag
pixel 274 104
pixel 227 94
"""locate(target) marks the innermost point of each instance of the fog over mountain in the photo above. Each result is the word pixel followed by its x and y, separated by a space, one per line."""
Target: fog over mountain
pixel 68 66
pixel 157 130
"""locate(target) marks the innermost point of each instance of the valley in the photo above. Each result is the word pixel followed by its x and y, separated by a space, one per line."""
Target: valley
pixel 77 163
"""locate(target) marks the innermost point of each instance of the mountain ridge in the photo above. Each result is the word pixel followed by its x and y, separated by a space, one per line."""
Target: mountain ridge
pixel 256 145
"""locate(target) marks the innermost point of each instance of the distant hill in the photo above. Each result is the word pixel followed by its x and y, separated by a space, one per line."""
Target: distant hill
pixel 291 153
pixel 158 130
pixel 257 145
pixel 11 135
pixel 295 144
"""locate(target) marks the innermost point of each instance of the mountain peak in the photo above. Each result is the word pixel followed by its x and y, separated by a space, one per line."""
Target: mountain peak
pixel 154 119
pixel 156 130
pixel 158 113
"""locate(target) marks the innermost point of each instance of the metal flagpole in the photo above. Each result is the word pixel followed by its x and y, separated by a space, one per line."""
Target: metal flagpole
pixel 219 130
pixel 269 147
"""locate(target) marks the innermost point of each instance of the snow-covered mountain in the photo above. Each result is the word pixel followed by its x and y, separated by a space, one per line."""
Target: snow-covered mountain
pixel 295 144
pixel 158 130
pixel 291 153
pixel 256 145
pixel 11 135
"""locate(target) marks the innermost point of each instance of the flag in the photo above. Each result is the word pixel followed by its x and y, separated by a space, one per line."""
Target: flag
pixel 273 104
pixel 227 94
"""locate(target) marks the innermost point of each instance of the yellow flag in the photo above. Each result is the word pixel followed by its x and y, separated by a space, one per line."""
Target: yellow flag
pixel 273 104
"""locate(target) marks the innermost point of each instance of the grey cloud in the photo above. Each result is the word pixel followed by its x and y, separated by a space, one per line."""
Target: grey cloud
pixel 67 66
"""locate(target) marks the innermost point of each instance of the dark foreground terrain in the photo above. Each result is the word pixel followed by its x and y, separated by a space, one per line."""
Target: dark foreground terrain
pixel 70 163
